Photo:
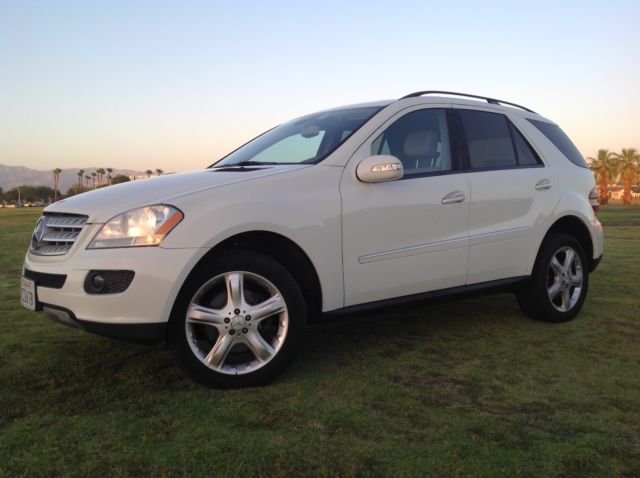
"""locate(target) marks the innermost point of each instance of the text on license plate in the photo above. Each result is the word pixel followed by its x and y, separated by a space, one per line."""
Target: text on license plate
pixel 28 293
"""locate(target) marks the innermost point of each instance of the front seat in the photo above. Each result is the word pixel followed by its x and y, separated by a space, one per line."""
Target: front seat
pixel 421 149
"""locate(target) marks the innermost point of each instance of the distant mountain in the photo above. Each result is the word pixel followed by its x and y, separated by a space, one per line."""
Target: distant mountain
pixel 12 176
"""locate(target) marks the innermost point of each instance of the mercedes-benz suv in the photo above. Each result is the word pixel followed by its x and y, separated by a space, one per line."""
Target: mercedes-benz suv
pixel 342 210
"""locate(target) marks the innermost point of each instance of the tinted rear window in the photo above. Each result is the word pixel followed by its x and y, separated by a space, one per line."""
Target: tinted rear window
pixel 561 141
pixel 488 140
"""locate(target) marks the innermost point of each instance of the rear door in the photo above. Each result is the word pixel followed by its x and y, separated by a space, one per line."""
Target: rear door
pixel 512 194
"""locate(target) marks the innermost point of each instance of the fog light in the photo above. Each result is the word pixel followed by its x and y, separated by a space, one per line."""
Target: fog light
pixel 97 282
pixel 107 282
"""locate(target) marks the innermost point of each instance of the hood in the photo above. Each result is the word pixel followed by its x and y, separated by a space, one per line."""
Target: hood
pixel 104 203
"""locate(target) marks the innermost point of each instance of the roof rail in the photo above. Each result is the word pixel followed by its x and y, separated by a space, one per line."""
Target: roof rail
pixel 492 101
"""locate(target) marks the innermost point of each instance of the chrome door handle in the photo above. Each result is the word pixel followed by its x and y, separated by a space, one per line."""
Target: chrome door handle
pixel 453 197
pixel 543 184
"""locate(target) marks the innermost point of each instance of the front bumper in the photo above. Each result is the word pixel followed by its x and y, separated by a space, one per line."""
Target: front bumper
pixel 138 314
pixel 151 333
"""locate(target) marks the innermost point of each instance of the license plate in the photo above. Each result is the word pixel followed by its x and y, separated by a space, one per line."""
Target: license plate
pixel 28 293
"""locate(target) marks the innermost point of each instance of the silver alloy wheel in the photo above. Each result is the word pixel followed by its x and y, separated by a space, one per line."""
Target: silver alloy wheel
pixel 236 322
pixel 564 279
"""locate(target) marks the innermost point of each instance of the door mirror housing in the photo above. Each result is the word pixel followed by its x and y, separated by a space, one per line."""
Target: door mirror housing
pixel 379 169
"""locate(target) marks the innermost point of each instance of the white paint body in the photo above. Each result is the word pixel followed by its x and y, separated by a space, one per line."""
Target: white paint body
pixel 366 242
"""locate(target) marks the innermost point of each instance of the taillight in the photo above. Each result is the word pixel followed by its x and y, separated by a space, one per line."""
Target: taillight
pixel 593 200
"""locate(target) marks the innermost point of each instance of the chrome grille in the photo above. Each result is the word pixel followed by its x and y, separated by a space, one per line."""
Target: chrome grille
pixel 55 233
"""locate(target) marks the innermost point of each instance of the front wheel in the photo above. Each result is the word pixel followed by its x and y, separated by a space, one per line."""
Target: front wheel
pixel 559 282
pixel 238 320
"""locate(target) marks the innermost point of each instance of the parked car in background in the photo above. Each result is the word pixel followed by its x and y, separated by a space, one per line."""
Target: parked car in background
pixel 343 210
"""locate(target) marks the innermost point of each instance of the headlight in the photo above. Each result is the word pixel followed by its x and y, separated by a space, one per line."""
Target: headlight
pixel 145 226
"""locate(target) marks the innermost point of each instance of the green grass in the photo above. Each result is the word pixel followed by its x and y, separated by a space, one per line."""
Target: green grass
pixel 464 387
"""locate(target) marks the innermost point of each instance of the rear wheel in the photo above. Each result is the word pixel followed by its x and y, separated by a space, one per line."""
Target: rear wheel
pixel 238 321
pixel 559 282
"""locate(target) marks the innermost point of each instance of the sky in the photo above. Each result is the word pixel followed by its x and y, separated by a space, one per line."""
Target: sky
pixel 177 85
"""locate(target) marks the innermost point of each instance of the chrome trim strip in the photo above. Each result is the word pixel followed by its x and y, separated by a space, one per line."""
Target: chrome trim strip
pixel 434 246
pixel 501 232
pixel 58 237
pixel 51 250
pixel 412 250
pixel 60 225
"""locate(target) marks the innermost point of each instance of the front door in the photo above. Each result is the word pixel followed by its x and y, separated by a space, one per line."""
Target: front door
pixel 407 236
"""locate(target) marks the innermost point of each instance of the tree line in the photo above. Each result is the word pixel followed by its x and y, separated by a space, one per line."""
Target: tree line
pixel 29 194
pixel 610 168
pixel 99 178
pixel 87 180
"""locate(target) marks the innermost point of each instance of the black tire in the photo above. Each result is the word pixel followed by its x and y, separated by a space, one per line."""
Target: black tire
pixel 203 288
pixel 535 298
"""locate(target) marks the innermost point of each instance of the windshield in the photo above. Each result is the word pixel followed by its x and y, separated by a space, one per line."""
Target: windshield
pixel 305 140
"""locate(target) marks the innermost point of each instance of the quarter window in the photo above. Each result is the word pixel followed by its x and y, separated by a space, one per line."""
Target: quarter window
pixel 526 155
pixel 420 140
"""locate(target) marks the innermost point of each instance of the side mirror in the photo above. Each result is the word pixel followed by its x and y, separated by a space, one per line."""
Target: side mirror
pixel 379 169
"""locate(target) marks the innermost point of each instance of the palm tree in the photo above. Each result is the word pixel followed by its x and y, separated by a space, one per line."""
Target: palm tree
pixel 56 183
pixel 86 180
pixel 605 169
pixel 159 171
pixel 94 174
pixel 109 171
pixel 101 173
pixel 80 173
pixel 149 173
pixel 629 171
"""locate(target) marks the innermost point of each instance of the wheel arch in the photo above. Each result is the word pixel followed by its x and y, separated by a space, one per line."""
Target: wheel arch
pixel 575 227
pixel 281 249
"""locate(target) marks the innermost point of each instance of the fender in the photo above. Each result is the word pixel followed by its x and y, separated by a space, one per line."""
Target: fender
pixel 572 206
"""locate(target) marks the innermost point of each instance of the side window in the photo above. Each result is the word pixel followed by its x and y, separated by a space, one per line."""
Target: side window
pixel 420 140
pixel 526 155
pixel 380 145
pixel 488 139
pixel 561 141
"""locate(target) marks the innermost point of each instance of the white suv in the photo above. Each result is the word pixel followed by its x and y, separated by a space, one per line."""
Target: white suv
pixel 342 210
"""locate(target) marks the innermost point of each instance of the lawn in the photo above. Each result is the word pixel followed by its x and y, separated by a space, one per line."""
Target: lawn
pixel 464 387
